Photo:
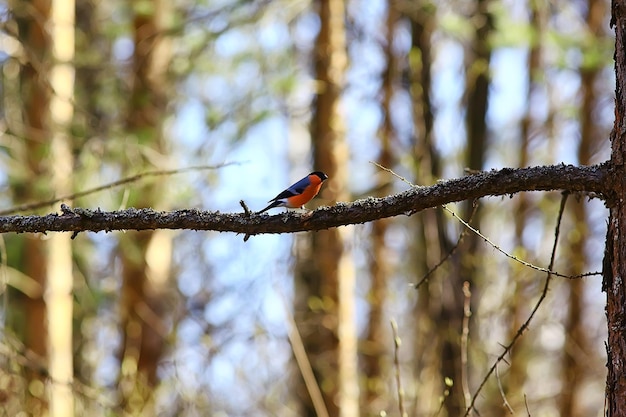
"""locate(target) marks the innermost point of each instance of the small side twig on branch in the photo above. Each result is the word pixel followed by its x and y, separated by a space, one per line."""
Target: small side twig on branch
pixel 248 213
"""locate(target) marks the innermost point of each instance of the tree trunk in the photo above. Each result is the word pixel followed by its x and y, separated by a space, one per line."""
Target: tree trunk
pixel 429 226
pixel 59 297
pixel 576 340
pixel 146 256
pixel 614 268
pixel 27 185
pixel 376 339
pixel 467 259
pixel 324 270
pixel 517 308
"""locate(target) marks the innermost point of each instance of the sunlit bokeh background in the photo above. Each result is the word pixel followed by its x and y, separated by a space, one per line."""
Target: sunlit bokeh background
pixel 193 323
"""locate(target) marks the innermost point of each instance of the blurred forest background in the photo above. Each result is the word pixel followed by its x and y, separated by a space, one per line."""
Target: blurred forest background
pixel 194 323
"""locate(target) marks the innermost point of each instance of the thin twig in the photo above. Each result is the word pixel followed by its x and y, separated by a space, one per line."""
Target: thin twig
pixel 123 181
pixel 526 404
pixel 248 213
pixel 447 256
pixel 502 394
pixel 513 257
pixel 245 207
pixel 396 362
pixel 304 365
pixel 525 325
pixel 489 241
pixel 392 172
pixel 467 312
pixel 15 351
pixel 4 282
pixel 448 382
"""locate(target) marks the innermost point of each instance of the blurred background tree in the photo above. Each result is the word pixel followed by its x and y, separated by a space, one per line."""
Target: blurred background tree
pixel 194 323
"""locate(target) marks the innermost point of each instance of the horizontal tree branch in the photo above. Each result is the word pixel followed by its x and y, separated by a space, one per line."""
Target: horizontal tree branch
pixel 507 181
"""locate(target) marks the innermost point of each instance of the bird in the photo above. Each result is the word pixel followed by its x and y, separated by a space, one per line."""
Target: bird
pixel 300 193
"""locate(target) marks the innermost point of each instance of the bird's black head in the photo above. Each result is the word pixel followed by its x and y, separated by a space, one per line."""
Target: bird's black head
pixel 320 174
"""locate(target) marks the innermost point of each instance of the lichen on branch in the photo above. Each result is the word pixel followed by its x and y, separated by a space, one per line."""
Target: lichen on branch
pixel 507 181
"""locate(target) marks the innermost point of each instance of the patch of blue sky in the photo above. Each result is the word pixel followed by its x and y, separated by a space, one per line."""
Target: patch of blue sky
pixel 225 309
pixel 273 35
pixel 304 30
pixel 507 99
pixel 448 83
pixel 274 299
pixel 263 171
pixel 247 266
pixel 232 42
pixel 189 129
pixel 402 116
pixel 507 105
pixel 123 48
pixel 188 365
pixel 364 118
pixel 368 63
pixel 188 282
pixel 245 76
pixel 232 383
pixel 367 13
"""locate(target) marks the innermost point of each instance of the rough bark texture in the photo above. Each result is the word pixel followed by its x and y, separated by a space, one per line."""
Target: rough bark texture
pixel 575 362
pixel 614 269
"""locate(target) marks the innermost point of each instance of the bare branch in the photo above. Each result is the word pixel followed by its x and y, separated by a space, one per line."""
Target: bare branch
pixel 451 252
pixel 524 325
pixel 302 360
pixel 505 402
pixel 396 362
pixel 114 184
pixel 467 313
pixel 511 256
pixel 507 181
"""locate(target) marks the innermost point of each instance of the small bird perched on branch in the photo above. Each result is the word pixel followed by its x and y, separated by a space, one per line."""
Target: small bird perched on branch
pixel 300 193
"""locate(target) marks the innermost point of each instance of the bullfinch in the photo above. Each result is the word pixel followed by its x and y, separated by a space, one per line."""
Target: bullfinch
pixel 300 193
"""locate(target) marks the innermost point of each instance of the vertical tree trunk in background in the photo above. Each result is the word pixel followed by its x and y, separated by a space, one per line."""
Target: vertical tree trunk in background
pixel 518 308
pixel 614 265
pixel 35 93
pixel 574 366
pixel 59 299
pixel 324 269
pixel 90 85
pixel 145 256
pixel 429 226
pixel 477 84
pixel 468 256
pixel 376 343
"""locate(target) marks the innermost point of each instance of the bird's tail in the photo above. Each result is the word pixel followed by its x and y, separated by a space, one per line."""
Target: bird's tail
pixel 273 204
